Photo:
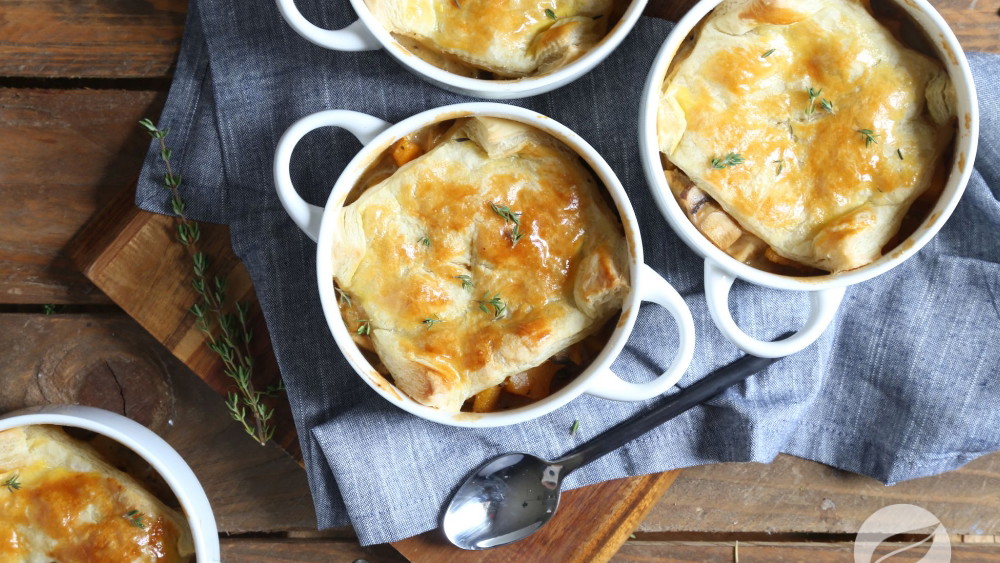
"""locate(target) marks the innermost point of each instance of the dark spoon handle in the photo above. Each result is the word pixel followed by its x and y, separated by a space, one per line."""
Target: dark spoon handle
pixel 699 392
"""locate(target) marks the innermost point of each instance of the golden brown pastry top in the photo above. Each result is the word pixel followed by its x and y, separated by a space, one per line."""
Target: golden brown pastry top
pixel 455 304
pixel 59 501
pixel 809 123
pixel 511 38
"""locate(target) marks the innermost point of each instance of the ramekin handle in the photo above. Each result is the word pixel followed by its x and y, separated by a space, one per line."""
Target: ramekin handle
pixel 354 37
pixel 655 289
pixel 823 308
pixel 363 126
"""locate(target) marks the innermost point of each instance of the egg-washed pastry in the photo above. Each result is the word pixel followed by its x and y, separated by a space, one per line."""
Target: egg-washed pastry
pixel 480 259
pixel 809 124
pixel 61 502
pixel 509 38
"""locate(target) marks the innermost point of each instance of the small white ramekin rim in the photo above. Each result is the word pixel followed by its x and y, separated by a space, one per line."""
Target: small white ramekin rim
pixel 147 445
pixel 950 53
pixel 475 87
pixel 377 136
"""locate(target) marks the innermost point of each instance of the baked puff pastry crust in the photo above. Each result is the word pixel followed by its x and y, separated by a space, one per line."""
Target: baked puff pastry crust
pixel 457 294
pixel 510 38
pixel 61 502
pixel 809 123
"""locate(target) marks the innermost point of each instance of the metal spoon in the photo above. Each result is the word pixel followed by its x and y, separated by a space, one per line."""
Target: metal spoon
pixel 513 495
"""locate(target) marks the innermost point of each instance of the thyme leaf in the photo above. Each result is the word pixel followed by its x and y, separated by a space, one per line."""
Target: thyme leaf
pixel 431 321
pixel 869 136
pixel 781 166
pixel 134 517
pixel 826 105
pixel 550 14
pixel 813 94
pixel 899 153
pixel 343 296
pixel 364 327
pixel 466 281
pixel 574 427
pixel 509 216
pixel 499 307
pixel 731 159
pixel 12 484
pixel 767 53
pixel 425 240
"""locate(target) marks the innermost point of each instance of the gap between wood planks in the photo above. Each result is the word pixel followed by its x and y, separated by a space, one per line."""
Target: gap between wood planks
pixel 161 84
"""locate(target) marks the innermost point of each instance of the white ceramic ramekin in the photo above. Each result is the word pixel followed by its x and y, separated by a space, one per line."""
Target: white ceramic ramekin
pixel 377 135
pixel 827 291
pixel 367 34
pixel 150 447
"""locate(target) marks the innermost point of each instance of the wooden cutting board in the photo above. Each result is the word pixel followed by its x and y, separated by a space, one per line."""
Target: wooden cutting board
pixel 133 257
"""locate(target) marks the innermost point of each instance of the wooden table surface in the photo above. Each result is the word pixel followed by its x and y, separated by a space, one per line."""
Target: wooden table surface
pixel 75 77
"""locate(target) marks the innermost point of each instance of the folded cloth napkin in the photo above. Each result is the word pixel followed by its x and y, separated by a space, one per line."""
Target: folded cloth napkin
pixel 903 384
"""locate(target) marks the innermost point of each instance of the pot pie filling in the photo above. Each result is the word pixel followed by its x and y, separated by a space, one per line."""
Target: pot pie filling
pixel 481 256
pixel 61 502
pixel 797 135
pixel 498 39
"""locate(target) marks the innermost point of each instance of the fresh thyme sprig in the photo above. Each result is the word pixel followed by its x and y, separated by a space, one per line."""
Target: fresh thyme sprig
pixel 227 333
pixel 509 217
pixel 134 517
pixel 431 321
pixel 466 281
pixel 869 136
pixel 827 105
pixel 731 159
pixel 12 484
pixel 499 307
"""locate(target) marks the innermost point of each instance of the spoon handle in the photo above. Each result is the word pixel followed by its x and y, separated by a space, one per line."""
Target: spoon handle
pixel 699 392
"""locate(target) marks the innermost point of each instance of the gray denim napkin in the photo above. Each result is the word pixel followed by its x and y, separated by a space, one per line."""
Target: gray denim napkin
pixel 903 384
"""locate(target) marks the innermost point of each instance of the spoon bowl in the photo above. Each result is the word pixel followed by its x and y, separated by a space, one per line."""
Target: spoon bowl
pixel 507 499
pixel 513 495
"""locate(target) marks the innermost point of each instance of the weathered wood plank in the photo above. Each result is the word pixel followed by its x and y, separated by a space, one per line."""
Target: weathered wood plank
pixel 589 527
pixel 110 362
pixel 792 495
pixel 90 38
pixel 63 155
pixel 650 552
pixel 266 550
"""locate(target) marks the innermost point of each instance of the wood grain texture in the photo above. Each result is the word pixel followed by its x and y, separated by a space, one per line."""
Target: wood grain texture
pixel 805 496
pixel 108 361
pixel 590 526
pixel 63 155
pixel 90 38
pixel 650 552
pixel 132 255
pixel 278 550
